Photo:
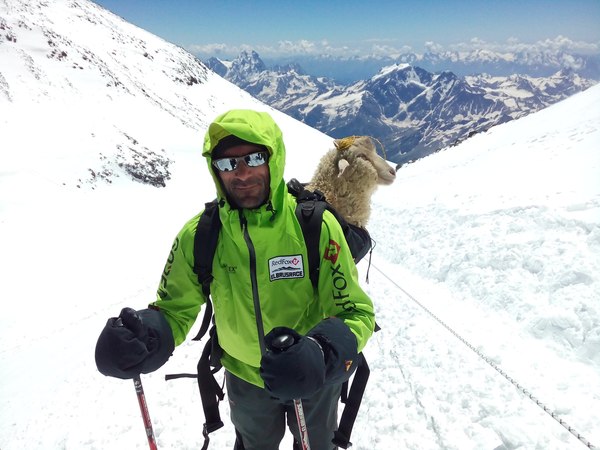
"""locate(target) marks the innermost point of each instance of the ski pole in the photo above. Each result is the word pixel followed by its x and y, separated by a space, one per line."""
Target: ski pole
pixel 282 343
pixel 139 390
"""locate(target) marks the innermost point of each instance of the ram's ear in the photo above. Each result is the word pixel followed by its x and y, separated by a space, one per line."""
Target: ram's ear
pixel 342 164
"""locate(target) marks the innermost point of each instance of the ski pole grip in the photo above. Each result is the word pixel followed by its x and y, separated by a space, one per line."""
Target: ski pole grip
pixel 282 342
pixel 130 319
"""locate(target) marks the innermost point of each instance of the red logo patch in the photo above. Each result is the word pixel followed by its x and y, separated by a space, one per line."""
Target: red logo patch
pixel 332 252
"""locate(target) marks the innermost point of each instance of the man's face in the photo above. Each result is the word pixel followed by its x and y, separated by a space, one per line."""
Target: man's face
pixel 247 187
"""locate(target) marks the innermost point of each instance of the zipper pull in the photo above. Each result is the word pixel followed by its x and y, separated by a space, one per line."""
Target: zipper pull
pixel 243 221
pixel 271 210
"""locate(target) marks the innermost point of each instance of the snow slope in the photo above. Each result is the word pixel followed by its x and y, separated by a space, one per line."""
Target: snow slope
pixel 512 270
pixel 494 243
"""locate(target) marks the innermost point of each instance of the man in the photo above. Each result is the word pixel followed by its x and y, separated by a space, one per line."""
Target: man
pixel 261 291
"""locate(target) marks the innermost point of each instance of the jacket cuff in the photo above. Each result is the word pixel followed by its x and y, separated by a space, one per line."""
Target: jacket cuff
pixel 159 341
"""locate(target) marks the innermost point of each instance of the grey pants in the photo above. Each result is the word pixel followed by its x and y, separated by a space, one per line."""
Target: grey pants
pixel 260 420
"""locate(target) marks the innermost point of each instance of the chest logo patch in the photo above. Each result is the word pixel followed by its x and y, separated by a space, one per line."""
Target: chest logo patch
pixel 285 267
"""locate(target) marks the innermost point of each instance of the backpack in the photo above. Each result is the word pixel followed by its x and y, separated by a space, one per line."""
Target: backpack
pixel 309 211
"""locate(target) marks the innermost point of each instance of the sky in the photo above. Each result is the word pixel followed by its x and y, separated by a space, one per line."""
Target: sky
pixel 359 28
pixel 486 268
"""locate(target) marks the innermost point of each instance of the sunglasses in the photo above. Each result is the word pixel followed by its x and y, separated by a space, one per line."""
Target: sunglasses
pixel 232 163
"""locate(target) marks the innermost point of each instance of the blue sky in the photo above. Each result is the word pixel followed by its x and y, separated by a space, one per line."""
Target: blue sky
pixel 352 27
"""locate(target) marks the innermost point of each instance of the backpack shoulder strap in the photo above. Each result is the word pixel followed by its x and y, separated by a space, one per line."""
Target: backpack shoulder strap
pixel 353 400
pixel 211 393
pixel 205 246
pixel 309 211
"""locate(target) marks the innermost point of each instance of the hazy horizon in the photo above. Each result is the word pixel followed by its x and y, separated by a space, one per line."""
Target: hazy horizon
pixel 356 29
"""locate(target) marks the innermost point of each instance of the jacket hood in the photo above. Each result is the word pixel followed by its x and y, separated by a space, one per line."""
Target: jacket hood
pixel 258 128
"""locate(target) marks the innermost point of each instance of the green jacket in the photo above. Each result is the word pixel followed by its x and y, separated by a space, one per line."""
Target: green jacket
pixel 270 268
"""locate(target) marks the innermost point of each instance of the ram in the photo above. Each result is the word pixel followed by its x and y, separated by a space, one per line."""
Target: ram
pixel 349 174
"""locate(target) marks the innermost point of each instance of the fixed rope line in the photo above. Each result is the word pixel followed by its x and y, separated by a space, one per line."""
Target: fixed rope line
pixel 528 394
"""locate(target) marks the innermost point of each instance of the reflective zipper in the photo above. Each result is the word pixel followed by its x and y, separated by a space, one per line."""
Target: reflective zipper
pixel 257 311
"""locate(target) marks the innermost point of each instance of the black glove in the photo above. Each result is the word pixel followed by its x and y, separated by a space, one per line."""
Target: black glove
pixel 328 354
pixel 340 348
pixel 294 369
pixel 133 343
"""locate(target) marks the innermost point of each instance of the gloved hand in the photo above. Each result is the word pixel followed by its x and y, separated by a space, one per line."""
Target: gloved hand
pixel 133 343
pixel 297 371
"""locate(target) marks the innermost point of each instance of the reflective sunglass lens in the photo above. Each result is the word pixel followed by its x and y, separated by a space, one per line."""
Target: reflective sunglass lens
pixel 256 159
pixel 251 160
pixel 226 165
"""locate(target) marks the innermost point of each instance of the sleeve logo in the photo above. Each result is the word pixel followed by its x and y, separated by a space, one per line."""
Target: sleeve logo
pixel 332 251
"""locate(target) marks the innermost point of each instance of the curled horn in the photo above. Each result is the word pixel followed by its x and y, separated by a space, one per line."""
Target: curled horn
pixel 344 143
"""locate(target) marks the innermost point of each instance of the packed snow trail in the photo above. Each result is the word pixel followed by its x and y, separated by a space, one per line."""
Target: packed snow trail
pixel 521 388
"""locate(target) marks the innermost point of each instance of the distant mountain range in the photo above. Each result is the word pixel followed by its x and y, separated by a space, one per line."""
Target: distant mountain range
pixel 413 112
pixel 536 61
